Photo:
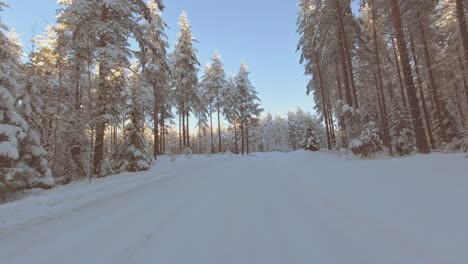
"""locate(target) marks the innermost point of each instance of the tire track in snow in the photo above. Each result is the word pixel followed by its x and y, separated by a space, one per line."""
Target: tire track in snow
pixel 103 209
pixel 379 230
pixel 272 216
pixel 201 182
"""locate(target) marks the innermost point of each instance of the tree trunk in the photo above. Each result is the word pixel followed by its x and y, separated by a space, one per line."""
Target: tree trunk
pixel 430 70
pixel 184 130
pixel 427 115
pixel 341 120
pixel 330 119
pixel 400 78
pixel 100 127
pixel 383 112
pixel 211 130
pixel 247 138
pixel 199 134
pixel 421 142
pixel 463 28
pixel 180 132
pixel 242 137
pixel 235 136
pixel 322 92
pixel 219 131
pixel 344 68
pixel 459 106
pixel 156 147
pixel 380 82
pixel 465 84
pixel 188 128
pixel 163 130
pixel 348 58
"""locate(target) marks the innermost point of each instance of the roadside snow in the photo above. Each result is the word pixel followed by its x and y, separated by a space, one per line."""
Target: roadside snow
pixel 41 203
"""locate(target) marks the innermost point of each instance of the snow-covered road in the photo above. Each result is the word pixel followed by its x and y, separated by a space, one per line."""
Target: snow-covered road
pixel 261 209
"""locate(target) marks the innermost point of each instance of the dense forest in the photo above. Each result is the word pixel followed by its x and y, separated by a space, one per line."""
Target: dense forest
pixel 388 75
pixel 100 93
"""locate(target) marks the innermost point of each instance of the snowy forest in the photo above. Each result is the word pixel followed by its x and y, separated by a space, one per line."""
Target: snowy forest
pixel 85 103
pixel 391 76
pixel 100 93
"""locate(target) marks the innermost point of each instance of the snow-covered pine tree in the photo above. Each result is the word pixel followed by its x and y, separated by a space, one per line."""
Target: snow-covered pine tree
pixel 463 143
pixel 58 71
pixel 310 142
pixel 200 110
pixel 33 156
pixel 292 128
pixel 267 137
pixel 12 127
pixel 206 86
pixel 369 141
pixel 185 69
pixel 446 126
pixel 401 131
pixel 273 134
pixel 132 153
pixel 105 28
pixel 21 153
pixel 249 107
pixel 154 54
pixel 232 102
pixel 214 83
pixel 218 81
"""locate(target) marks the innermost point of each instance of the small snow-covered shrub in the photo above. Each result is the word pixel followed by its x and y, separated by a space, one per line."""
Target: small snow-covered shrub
pixel 310 141
pixel 188 153
pixel 462 144
pixel 401 130
pixel 369 141
pixel 132 153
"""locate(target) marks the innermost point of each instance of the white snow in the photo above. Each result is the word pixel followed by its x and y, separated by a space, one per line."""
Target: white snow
pixel 261 209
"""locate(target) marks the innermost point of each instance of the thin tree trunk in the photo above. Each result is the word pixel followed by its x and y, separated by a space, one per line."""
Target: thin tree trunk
pixel 211 130
pixel 242 137
pixel 188 128
pixel 156 146
pixel 235 136
pixel 344 68
pixel 459 106
pixel 219 131
pixel 430 70
pixel 199 134
pixel 322 92
pixel 348 59
pixel 380 81
pixel 100 128
pixel 332 126
pixel 184 130
pixel 180 132
pixel 465 84
pixel 421 141
pixel 427 115
pixel 400 78
pixel 162 131
pixel 247 138
pixel 341 121
pixel 463 28
pixel 383 112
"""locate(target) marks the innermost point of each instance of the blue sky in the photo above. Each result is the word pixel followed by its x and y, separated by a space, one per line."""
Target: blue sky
pixel 262 32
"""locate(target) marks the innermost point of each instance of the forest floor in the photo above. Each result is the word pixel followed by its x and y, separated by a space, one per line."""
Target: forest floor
pixel 259 209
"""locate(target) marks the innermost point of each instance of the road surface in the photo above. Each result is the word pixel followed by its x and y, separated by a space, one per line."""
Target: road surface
pixel 262 209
